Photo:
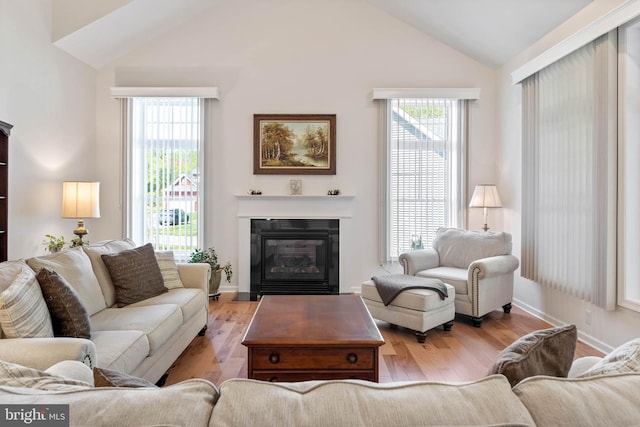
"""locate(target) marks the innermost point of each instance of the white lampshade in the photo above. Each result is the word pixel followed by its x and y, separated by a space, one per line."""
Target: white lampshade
pixel 485 196
pixel 80 199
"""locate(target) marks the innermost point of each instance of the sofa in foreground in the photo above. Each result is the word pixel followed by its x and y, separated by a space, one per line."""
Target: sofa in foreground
pixel 110 305
pixel 611 399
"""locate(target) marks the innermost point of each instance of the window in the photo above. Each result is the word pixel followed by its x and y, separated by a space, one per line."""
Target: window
pixel 425 165
pixel 629 158
pixel 164 179
pixel 569 174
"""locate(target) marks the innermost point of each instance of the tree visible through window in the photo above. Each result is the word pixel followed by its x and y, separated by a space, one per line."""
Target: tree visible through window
pixel 164 173
pixel 424 172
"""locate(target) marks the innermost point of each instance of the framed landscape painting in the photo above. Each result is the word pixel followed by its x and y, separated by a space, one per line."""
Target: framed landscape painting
pixel 294 144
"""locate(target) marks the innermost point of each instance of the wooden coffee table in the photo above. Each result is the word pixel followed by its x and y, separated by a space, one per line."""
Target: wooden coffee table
pixel 312 337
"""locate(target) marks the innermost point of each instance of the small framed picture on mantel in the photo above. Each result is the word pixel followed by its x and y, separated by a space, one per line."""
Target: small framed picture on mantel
pixel 294 144
pixel 295 187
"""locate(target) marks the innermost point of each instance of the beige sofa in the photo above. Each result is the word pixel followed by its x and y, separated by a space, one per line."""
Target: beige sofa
pixel 142 339
pixel 604 400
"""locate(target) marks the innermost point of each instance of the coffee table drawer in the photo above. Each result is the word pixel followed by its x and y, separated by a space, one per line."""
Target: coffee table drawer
pixel 312 358
pixel 291 376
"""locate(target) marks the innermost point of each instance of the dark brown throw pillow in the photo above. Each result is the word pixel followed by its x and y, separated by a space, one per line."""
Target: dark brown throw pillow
pixel 108 378
pixel 135 274
pixel 545 352
pixel 69 317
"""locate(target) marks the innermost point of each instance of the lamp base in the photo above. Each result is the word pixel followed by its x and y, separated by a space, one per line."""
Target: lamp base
pixel 80 231
pixel 485 228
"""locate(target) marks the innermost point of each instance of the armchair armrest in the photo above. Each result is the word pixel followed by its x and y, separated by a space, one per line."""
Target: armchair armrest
pixel 421 259
pixel 494 266
pixel 41 353
pixel 195 275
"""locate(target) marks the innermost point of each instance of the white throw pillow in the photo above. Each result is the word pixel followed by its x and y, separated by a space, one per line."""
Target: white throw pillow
pixel 23 311
pixel 169 269
pixel 624 359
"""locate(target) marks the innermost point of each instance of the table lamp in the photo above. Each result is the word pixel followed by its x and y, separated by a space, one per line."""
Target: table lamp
pixel 485 196
pixel 80 200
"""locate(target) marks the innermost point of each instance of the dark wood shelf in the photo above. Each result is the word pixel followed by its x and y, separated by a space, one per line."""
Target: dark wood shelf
pixel 5 131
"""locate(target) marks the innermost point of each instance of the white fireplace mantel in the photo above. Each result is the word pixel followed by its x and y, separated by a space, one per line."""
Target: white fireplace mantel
pixel 284 206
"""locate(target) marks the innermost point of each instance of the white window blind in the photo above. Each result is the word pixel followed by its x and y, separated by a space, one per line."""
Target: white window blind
pixel 425 170
pixel 569 168
pixel 164 179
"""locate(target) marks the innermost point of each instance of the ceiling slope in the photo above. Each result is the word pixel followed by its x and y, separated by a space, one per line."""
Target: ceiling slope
pixel 127 28
pixel 490 31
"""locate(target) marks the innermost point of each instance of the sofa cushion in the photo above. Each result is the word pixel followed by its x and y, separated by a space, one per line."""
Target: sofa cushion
pixel 121 351
pixel 190 300
pixel 23 311
pixel 69 318
pixel 187 403
pixel 135 274
pixel 459 248
pixel 158 322
pixel 487 401
pixel 456 277
pixel 624 359
pixel 94 251
pixel 169 269
pixel 543 352
pixel 75 266
pixel 109 378
pixel 608 400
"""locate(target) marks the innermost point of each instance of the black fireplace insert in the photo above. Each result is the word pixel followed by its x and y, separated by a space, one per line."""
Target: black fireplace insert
pixel 294 256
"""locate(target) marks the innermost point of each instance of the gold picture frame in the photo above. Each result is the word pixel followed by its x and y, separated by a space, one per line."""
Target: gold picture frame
pixel 294 144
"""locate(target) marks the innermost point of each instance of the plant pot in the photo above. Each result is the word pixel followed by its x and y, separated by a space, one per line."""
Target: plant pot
pixel 214 283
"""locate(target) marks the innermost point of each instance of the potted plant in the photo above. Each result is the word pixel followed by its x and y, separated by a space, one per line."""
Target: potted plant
pixel 211 257
pixel 53 243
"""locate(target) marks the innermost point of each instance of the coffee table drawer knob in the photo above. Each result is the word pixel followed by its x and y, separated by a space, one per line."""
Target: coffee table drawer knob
pixel 274 358
pixel 352 358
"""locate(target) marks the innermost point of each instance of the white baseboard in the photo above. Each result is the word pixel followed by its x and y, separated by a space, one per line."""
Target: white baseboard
pixel 585 338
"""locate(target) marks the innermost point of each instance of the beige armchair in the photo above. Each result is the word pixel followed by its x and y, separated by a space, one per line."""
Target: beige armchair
pixel 478 264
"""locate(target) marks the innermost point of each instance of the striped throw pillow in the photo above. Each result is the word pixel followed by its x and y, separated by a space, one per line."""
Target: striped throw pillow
pixel 169 269
pixel 23 311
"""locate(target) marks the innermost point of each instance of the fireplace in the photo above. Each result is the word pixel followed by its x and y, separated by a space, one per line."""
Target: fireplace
pixel 294 256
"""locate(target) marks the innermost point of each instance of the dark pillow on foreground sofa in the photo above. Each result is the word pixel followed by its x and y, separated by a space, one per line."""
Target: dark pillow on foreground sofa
pixel 544 352
pixel 135 274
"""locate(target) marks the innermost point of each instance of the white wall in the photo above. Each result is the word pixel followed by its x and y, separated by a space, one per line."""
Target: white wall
pixel 49 97
pixel 310 56
pixel 607 329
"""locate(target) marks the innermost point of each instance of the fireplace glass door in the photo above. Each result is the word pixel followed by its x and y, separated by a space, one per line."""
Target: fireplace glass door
pixel 295 259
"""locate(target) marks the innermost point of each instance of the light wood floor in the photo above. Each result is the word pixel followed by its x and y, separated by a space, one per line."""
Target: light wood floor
pixel 463 354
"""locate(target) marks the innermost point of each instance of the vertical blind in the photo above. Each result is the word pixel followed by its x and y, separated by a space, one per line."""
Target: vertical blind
pixel 425 170
pixel 569 168
pixel 164 175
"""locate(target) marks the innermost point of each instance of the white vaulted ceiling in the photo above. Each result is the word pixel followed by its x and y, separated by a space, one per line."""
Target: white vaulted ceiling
pixel 490 31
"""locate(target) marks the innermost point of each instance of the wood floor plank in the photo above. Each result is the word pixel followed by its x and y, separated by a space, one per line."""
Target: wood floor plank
pixel 463 354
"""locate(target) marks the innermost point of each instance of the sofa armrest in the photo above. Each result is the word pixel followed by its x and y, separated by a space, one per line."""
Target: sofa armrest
pixel 195 275
pixel 42 353
pixel 422 259
pixel 494 266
